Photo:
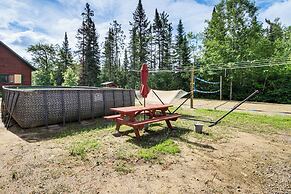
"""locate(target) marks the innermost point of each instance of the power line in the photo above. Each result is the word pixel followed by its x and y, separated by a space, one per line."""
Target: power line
pixel 262 64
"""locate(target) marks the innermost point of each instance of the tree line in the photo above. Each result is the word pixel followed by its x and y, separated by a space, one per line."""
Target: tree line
pixel 233 36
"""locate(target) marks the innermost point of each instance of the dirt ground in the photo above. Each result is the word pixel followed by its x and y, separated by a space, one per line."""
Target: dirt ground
pixel 238 163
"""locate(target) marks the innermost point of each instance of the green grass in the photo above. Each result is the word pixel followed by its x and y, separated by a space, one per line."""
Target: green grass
pixel 82 148
pixel 161 141
pixel 165 147
pixel 239 121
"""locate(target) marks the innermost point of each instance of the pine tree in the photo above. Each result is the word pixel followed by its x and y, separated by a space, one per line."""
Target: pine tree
pixel 139 41
pixel 125 61
pixel 124 71
pixel 108 56
pixel 118 41
pixel 114 43
pixel 140 32
pixel 274 30
pixel 182 50
pixel 152 54
pixel 157 30
pixel 65 61
pixel 162 40
pixel 88 50
pixel 166 40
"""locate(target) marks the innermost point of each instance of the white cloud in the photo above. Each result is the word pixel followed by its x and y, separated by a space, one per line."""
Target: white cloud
pixel 46 21
pixel 278 9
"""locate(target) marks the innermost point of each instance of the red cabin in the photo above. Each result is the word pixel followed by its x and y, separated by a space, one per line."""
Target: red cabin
pixel 14 70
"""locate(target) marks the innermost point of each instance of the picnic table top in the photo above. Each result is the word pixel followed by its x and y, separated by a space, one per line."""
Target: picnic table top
pixel 140 108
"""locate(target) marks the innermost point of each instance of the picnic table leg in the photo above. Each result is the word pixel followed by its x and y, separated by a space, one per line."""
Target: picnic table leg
pixel 117 134
pixel 169 124
pixel 136 131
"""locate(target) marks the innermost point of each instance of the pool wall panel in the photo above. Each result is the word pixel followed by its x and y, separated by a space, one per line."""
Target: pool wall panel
pixel 37 106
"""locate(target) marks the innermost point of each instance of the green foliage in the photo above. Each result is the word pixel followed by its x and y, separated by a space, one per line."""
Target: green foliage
pixel 182 50
pixel 71 77
pixel 112 69
pixel 43 57
pixel 42 78
pixel 139 42
pixel 88 50
pixel 234 35
pixel 65 60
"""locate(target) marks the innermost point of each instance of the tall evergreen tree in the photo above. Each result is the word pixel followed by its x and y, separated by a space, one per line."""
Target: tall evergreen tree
pixel 88 49
pixel 124 72
pixel 108 56
pixel 125 61
pixel 139 41
pixel 182 50
pixel 166 40
pixel 274 30
pixel 114 42
pixel 140 32
pixel 118 42
pixel 157 30
pixel 152 54
pixel 65 61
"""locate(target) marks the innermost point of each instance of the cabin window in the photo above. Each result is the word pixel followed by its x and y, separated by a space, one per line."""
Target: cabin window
pixel 17 79
pixel 5 78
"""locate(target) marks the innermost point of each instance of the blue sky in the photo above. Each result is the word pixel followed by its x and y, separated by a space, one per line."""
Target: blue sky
pixel 26 22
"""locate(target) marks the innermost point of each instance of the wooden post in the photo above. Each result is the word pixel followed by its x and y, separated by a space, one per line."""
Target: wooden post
pixel 220 88
pixel 192 87
pixel 230 90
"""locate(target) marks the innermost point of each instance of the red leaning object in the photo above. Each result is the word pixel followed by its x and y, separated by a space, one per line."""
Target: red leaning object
pixel 144 74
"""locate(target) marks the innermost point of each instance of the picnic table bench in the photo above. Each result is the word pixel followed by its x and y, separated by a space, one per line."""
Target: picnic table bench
pixel 128 116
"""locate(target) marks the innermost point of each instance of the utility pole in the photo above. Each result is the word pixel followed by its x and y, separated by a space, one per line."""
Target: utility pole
pixel 230 90
pixel 192 87
pixel 220 88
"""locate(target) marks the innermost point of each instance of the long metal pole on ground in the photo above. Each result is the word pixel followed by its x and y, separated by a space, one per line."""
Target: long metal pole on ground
pixel 220 88
pixel 235 107
pixel 192 88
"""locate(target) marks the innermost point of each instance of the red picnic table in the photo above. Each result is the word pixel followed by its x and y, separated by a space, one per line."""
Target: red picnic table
pixel 128 116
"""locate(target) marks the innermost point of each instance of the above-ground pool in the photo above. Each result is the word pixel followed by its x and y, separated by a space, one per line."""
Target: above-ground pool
pixel 37 106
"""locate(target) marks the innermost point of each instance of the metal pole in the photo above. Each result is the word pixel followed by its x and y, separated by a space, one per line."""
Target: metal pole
pixel 158 97
pixel 230 90
pixel 180 105
pixel 235 107
pixel 192 88
pixel 220 88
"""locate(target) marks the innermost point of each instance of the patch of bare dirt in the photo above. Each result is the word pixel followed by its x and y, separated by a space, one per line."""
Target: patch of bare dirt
pixel 244 163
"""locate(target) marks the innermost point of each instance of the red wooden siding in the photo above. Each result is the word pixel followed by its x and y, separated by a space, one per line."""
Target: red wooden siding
pixel 11 63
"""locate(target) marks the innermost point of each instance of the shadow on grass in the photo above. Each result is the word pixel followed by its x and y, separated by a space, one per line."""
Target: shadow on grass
pixel 154 137
pixel 58 131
